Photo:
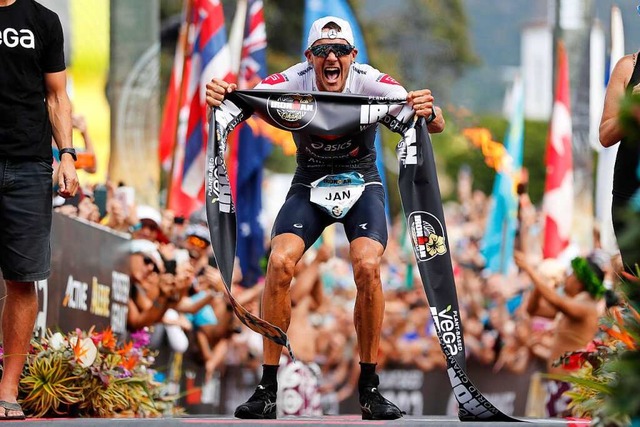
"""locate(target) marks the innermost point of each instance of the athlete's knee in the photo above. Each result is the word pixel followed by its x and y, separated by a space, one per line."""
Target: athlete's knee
pixel 282 264
pixel 366 269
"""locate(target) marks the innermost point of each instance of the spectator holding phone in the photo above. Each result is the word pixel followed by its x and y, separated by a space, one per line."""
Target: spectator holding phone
pixel 156 296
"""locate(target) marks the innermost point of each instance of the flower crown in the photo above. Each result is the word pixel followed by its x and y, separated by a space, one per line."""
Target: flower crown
pixel 589 279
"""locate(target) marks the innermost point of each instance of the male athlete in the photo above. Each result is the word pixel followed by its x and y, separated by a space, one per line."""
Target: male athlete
pixel 324 164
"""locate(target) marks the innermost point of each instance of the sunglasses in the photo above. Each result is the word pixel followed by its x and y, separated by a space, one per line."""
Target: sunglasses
pixel 148 261
pixel 322 50
pixel 197 242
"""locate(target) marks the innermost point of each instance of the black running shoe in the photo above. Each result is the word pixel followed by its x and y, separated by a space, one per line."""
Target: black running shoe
pixel 376 407
pixel 261 405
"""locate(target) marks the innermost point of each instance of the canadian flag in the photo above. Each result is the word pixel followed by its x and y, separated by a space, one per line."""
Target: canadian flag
pixel 558 191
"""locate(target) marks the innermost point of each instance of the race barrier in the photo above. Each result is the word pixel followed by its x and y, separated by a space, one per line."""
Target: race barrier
pixel 89 282
pixel 414 391
pixel 89 286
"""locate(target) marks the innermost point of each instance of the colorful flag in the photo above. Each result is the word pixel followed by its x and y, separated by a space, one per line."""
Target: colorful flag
pixel 253 150
pixel 174 100
pixel 558 192
pixel 209 57
pixel 607 156
pixel 316 9
pixel 499 237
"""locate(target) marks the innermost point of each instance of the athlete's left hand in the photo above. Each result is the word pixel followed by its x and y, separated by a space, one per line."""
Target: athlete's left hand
pixel 421 101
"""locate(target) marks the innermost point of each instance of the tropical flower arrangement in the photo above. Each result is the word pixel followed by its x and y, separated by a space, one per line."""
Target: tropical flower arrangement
pixel 90 374
pixel 606 380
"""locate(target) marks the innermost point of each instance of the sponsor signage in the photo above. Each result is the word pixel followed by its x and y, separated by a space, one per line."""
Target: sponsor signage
pixel 89 282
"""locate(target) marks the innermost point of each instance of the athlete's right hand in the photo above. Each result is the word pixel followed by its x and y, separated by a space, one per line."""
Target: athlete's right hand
pixel 217 90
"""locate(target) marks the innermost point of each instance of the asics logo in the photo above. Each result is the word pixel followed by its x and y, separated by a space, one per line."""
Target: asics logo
pixel 269 407
pixel 10 37
pixel 363 226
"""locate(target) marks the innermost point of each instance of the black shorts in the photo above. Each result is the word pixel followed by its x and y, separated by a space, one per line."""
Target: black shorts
pixel 307 220
pixel 25 220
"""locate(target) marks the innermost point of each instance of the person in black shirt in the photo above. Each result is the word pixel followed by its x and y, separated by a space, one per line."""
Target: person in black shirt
pixel 625 78
pixel 34 106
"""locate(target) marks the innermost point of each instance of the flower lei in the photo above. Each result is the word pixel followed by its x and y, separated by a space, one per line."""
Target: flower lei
pixel 587 277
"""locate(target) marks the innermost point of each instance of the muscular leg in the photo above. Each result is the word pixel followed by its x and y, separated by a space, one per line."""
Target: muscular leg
pixel 18 319
pixel 286 251
pixel 366 255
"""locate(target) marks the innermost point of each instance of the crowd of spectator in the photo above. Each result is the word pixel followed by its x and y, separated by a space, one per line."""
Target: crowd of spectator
pixel 177 291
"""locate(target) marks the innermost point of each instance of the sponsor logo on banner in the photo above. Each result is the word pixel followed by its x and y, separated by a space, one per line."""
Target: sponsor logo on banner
pixel 120 284
pixel 218 186
pixel 292 111
pixel 75 295
pixel 407 150
pixel 40 329
pixel 448 323
pixel 472 404
pixel 404 388
pixel 389 115
pixel 100 298
pixel 427 235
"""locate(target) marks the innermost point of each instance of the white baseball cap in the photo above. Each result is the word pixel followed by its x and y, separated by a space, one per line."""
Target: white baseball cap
pixel 316 32
pixel 149 213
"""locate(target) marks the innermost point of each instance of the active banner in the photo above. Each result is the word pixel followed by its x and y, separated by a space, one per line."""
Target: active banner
pixel 324 114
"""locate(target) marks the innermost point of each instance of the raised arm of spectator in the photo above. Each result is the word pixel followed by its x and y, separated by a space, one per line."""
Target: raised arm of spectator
pixel 138 318
pixel 216 357
pixel 568 306
pixel 537 307
pixel 79 122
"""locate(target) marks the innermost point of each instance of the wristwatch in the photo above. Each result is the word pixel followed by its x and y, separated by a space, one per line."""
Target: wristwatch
pixel 70 151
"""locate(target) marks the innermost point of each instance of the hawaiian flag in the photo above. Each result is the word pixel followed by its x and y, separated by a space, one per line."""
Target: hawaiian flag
pixel 209 57
pixel 558 192
pixel 175 98
pixel 253 149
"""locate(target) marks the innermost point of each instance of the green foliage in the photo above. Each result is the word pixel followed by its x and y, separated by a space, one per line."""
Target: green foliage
pixel 284 21
pixel 429 41
pixel 606 387
pixel 279 162
pixel 453 151
pixel 88 374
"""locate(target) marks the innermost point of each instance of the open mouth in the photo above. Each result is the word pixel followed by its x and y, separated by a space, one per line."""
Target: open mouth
pixel 332 74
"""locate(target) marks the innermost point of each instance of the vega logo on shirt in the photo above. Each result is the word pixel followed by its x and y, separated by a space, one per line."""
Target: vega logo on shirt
pixel 10 37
